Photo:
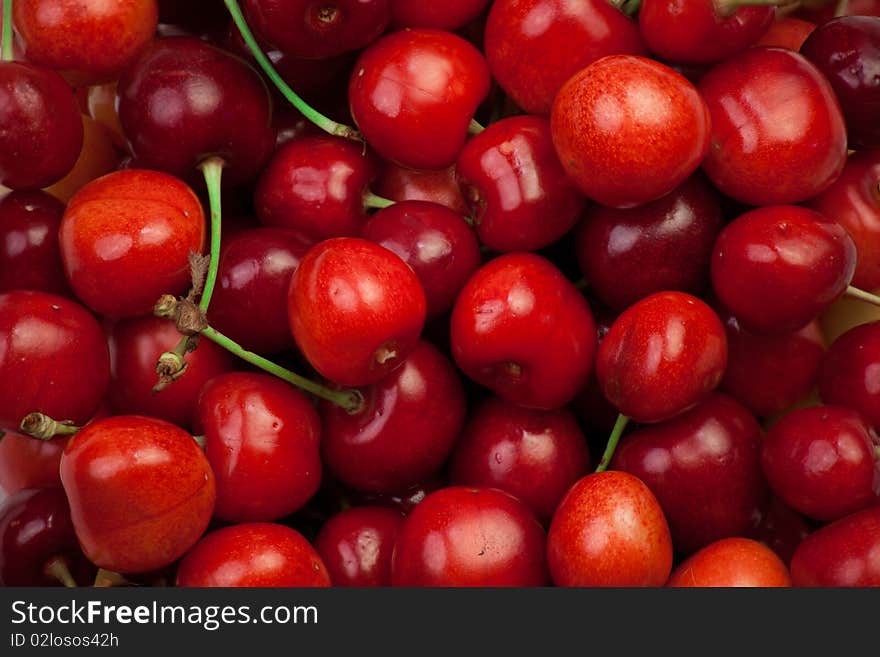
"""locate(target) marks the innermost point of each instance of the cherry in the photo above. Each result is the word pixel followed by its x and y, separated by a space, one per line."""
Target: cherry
pixel 534 46
pixel 729 562
pixel 662 356
pixel 777 132
pixel 98 157
pixel 356 545
pixel 786 32
pixel 141 492
pixel 536 456
pixel 126 238
pixel 629 130
pixel 405 429
pixel 776 268
pixel 519 196
pixel 356 310
pixel 780 528
pixel 41 132
pixel 448 16
pixel 257 554
pixel 842 553
pixel 462 536
pixel 629 254
pixel 29 463
pixel 413 95
pixel 521 329
pixel 29 254
pixel 436 242
pixel 609 530
pixel 848 373
pixel 437 186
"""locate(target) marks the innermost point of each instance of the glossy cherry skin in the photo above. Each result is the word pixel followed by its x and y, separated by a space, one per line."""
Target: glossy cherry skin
pixel 786 32
pixel 250 299
pixel 780 528
pixel 437 186
pixel 536 456
pixel 777 131
pixel 35 528
pixel 629 254
pixel 704 467
pixel 463 536
pixel 413 94
pixel 436 242
pixel 406 429
pixel 848 374
pixel 29 254
pixel 356 310
pixel 842 553
pixel 732 562
pixel 27 462
pixel 776 268
pixel 822 461
pixel 662 356
pixel 534 46
pixel 521 329
pixel 41 132
pixel 629 130
pixel 258 554
pixel 141 492
pixel 318 28
pixel 170 128
pixel 519 196
pixel 262 439
pixel 315 186
pixel 609 530
pixel 53 358
pixel 356 545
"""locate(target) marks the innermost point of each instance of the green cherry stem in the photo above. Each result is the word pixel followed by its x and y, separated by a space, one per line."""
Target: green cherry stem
pixel 44 427
pixel 325 123
pixel 374 202
pixel 6 49
pixel 861 295
pixel 630 7
pixel 57 568
pixel 475 128
pixel 613 439
pixel 212 169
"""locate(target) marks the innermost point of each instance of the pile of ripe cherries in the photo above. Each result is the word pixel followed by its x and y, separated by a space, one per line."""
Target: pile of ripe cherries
pixel 462 293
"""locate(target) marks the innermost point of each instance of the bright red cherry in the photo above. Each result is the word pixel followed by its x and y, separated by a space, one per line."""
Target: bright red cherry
pixel 776 268
pixel 732 562
pixel 777 132
pixel 258 554
pixel 437 186
pixel 462 536
pixel 356 310
pixel 446 16
pixel 629 130
pixel 141 492
pixel 849 374
pixel 786 32
pixel 413 95
pixel 521 329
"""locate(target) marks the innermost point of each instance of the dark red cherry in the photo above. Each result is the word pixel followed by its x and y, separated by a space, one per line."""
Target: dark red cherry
pixel 462 536
pixel 404 500
pixel 629 130
pixel 536 456
pixel 41 133
pixel 780 528
pixel 356 545
pixel 626 255
pixel 849 374
pixel 732 562
pixel 534 46
pixel 436 242
pixel 777 134
pixel 776 268
pixel 446 16
pixel 519 196
pixel 184 100
pixel 406 429
pixel 414 93
pixel 26 462
pixel 437 186
pixel 521 329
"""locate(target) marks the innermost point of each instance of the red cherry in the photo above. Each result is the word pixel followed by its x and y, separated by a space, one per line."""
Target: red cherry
pixel 849 374
pixel 521 329
pixel 413 94
pixel 629 130
pixel 356 310
pixel 778 134
pixel 460 536
pixel 780 528
pixel 535 456
pixel 777 268
pixel 356 545
pixel 732 562
pixel 446 16
pixel 786 32
pixel 26 462
pixel 258 554
pixel 609 530
pixel 662 356
pixel 437 186
pixel 534 46
pixel 141 492
pixel 519 196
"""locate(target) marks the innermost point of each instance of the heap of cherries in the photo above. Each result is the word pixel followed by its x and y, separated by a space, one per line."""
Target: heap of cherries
pixel 462 293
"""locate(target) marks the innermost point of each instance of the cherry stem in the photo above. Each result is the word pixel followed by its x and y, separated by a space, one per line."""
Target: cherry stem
pixel 861 295
pixel 44 427
pixel 325 123
pixel 6 51
pixel 841 8
pixel 201 441
pixel 613 439
pixel 475 128
pixel 107 578
pixel 374 202
pixel 728 7
pixel 57 568
pixel 212 168
pixel 351 400
pixel 630 7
